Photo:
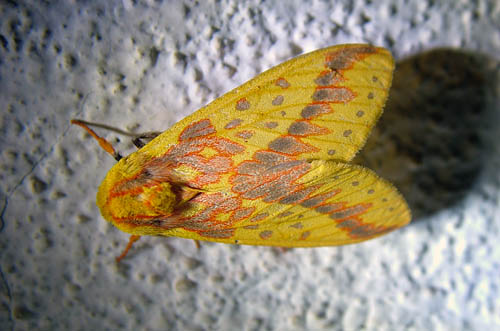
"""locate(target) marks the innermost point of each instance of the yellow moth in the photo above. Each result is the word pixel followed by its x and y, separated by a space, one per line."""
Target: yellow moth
pixel 267 163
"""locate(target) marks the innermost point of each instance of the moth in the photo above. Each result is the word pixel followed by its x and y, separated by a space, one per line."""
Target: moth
pixel 267 163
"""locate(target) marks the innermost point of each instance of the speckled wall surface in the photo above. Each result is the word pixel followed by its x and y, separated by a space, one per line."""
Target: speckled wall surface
pixel 143 65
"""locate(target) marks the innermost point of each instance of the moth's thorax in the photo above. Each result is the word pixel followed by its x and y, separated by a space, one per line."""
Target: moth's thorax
pixel 136 192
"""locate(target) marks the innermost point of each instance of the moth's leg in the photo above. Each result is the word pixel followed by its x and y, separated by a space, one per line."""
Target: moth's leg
pixel 106 145
pixel 147 135
pixel 131 241
pixel 197 243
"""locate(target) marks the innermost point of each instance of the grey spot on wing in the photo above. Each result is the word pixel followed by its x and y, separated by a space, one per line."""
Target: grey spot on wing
pixel 283 83
pixel 242 104
pixel 365 231
pixel 304 235
pixel 266 234
pixel 317 199
pixel 297 225
pixel 285 214
pixel 223 233
pixel 288 145
pixel 233 124
pixel 259 217
pixel 276 191
pixel 316 110
pixel 242 213
pixel 344 58
pixel 296 197
pixel 311 202
pixel 251 168
pixel 348 212
pixel 301 128
pixel 244 134
pixel 201 128
pixel 268 167
pixel 271 125
pixel 278 100
pixel 284 166
pixel 251 227
pixel 348 224
pixel 270 158
pixel 229 147
pixel 325 79
pixel 328 208
pixel 282 144
pixel 333 94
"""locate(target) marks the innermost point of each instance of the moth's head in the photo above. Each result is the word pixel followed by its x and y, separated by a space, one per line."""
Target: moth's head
pixel 134 195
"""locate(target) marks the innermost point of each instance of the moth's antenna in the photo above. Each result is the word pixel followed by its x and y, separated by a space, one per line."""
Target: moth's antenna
pixel 106 145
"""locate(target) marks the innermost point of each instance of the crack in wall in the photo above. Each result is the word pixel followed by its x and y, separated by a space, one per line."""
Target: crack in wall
pixel 3 279
pixel 33 167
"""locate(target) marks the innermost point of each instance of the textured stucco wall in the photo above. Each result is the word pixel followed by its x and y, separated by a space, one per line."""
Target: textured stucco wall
pixel 143 65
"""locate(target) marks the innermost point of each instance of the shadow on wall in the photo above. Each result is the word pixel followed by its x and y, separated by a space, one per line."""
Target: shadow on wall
pixel 430 141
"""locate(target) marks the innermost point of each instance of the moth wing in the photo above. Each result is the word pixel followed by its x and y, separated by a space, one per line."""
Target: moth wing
pixel 333 204
pixel 321 105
